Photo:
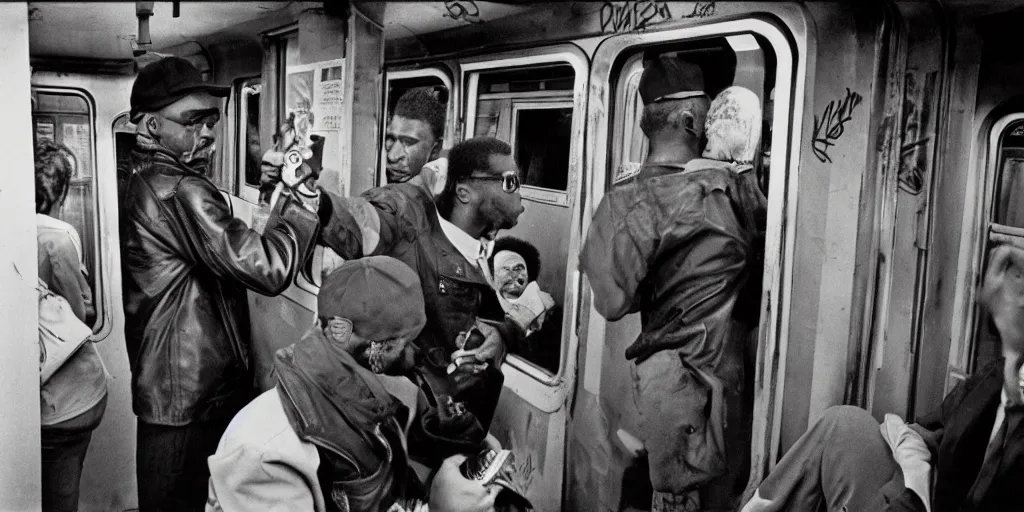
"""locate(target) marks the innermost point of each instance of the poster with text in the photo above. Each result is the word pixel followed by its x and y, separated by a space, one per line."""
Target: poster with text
pixel 319 88
pixel 77 138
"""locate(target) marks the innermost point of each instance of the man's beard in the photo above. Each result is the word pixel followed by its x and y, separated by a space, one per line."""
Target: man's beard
pixel 496 217
pixel 200 157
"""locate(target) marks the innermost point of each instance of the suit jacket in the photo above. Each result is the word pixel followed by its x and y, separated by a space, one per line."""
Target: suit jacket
pixel 962 426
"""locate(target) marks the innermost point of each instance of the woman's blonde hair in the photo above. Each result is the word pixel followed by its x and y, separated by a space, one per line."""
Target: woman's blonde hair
pixel 733 126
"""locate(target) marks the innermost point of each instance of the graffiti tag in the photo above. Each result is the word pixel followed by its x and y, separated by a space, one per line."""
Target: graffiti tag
pixel 627 16
pixel 915 153
pixel 702 10
pixel 831 125
pixel 465 10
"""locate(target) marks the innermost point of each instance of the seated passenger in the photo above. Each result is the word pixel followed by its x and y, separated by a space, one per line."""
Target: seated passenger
pixel 515 265
pixel 973 443
pixel 332 434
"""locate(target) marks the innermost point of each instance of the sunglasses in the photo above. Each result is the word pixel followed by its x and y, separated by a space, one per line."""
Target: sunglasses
pixel 509 181
pixel 208 117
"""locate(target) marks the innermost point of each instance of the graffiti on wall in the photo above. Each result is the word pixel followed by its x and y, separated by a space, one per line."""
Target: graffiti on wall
pixel 636 15
pixel 464 10
pixel 831 125
pixel 918 105
pixel 629 16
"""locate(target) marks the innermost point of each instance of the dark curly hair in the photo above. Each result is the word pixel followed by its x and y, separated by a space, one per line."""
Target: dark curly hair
pixel 54 167
pixel 464 158
pixel 522 248
pixel 420 104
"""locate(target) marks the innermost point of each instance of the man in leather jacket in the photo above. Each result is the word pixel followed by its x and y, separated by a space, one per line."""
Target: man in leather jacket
pixel 332 434
pixel 678 245
pixel 186 266
pixel 448 246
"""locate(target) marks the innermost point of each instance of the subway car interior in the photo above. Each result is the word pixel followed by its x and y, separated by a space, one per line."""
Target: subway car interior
pixel 890 140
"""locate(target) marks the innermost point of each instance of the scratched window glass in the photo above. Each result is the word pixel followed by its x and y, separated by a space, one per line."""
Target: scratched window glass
pixel 744 60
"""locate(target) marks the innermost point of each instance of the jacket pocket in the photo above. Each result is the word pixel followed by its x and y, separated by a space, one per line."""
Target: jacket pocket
pixel 681 420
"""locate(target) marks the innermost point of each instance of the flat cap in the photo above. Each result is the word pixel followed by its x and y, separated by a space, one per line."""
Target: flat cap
pixel 379 294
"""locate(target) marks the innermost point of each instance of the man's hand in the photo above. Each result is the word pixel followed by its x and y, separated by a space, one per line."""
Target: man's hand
pixel 452 492
pixel 912 455
pixel 270 178
pixel 1002 294
pixel 490 351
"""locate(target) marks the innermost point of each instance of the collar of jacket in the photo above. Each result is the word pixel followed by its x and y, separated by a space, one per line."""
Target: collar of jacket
pixel 333 402
pixel 148 150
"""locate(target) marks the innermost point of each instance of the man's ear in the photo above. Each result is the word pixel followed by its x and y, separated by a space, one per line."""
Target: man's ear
pixel 683 118
pixel 464 193
pixel 435 150
pixel 152 124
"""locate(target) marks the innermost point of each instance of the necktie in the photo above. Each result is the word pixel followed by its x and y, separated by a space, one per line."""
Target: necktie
pixel 994 456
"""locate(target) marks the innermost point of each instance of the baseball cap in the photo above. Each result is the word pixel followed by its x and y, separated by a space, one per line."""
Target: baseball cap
pixel 379 294
pixel 670 78
pixel 166 81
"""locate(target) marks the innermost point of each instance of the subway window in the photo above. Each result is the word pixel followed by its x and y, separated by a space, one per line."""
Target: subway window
pixel 67 118
pixel 532 108
pixel 742 59
pixel 248 123
pixel 400 134
pixel 1007 220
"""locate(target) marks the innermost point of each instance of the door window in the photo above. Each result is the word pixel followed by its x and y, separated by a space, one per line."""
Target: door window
pixel 67 118
pixel 533 108
pixel 1007 222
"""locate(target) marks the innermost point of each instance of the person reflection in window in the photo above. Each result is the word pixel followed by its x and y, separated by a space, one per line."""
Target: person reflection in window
pixel 515 265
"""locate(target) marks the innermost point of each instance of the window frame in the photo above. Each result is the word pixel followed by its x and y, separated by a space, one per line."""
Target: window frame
pixel 242 188
pixel 551 196
pixel 535 385
pixel 404 74
pixel 981 196
pixel 103 323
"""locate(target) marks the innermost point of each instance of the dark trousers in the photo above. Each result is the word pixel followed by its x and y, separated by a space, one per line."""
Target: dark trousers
pixel 64 446
pixel 171 465
pixel 840 464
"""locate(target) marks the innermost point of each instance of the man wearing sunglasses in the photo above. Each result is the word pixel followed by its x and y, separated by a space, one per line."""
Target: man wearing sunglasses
pixel 186 265
pixel 448 245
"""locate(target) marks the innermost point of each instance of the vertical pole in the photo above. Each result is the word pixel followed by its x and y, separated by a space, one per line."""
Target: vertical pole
pixel 19 356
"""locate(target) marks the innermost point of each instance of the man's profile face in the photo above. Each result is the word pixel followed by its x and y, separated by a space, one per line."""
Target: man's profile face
pixel 497 208
pixel 408 144
pixel 510 274
pixel 188 128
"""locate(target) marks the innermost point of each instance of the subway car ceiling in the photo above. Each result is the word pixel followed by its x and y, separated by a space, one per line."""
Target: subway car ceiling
pixel 75 36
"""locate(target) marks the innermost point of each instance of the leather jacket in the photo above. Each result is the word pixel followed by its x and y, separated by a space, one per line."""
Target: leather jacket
pixel 454 290
pixel 186 266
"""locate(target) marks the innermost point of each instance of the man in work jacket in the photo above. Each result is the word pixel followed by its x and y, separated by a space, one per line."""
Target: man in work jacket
pixel 186 266
pixel 331 435
pixel 448 246
pixel 678 244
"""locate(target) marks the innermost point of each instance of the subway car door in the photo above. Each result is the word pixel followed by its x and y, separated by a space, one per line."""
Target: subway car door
pixel 607 469
pixel 86 114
